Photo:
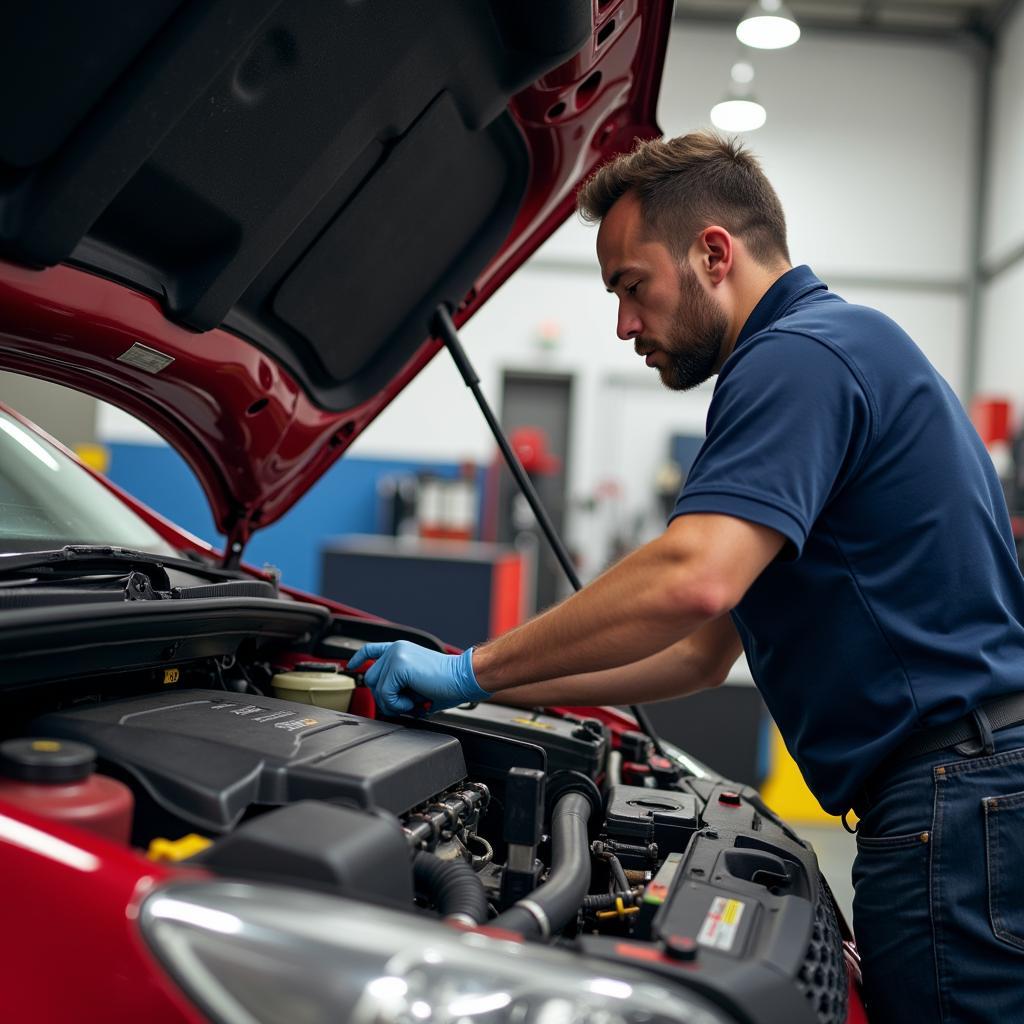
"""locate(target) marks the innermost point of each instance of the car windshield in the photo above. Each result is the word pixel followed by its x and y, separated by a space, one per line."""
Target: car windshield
pixel 48 500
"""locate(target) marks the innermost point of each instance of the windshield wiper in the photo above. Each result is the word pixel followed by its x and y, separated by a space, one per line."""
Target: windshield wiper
pixel 85 560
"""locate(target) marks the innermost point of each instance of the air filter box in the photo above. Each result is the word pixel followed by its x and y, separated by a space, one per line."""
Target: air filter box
pixel 321 846
pixel 639 816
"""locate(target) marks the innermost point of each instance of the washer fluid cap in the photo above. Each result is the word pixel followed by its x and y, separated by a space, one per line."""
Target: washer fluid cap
pixel 46 760
pixel 331 690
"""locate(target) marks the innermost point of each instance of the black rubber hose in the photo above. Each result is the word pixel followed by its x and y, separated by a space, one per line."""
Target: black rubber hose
pixel 551 906
pixel 452 886
pixel 606 901
pixel 615 867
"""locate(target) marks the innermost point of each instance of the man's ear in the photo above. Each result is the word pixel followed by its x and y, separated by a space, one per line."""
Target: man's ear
pixel 716 253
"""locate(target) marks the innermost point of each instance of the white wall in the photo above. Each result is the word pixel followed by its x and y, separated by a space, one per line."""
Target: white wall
pixel 68 415
pixel 867 143
pixel 870 145
pixel 1004 226
pixel 1001 369
pixel 1002 354
pixel 436 416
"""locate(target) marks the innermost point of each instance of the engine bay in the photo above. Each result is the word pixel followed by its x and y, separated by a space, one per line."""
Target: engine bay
pixel 559 826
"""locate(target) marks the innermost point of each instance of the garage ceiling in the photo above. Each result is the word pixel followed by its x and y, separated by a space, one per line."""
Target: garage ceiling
pixel 928 18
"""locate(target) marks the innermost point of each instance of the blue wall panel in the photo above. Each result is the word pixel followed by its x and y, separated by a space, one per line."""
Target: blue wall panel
pixel 343 501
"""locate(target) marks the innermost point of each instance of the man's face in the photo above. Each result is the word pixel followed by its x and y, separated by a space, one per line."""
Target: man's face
pixel 674 323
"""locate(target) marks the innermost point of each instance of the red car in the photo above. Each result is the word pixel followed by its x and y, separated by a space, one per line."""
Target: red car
pixel 241 222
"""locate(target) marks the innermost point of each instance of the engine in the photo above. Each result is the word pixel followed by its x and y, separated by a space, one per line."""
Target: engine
pixel 563 828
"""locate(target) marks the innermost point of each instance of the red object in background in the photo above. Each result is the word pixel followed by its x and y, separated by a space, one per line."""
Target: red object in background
pixel 506 594
pixel 531 447
pixel 992 419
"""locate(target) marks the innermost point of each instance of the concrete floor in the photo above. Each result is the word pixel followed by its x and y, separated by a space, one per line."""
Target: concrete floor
pixel 835 849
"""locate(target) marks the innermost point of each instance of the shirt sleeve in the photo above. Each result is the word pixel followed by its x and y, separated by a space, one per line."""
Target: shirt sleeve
pixel 789 423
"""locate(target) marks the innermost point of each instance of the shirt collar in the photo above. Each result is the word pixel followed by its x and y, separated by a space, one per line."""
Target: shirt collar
pixel 793 285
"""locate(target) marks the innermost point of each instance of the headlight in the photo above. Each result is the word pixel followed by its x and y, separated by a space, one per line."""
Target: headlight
pixel 255 954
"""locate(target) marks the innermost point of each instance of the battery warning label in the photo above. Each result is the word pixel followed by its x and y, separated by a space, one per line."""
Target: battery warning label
pixel 721 924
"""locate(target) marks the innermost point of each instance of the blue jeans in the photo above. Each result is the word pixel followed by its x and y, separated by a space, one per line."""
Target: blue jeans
pixel 938 903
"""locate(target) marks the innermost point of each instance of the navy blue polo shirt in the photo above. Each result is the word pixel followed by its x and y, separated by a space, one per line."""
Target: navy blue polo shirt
pixel 896 602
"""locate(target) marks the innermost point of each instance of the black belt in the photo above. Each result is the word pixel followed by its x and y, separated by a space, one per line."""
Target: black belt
pixel 1001 712
pixel 969 736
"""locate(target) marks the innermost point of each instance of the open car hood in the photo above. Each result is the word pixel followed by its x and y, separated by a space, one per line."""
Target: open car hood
pixel 235 219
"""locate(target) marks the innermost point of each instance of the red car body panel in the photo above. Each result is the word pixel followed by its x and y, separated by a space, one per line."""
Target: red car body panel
pixel 72 950
pixel 254 439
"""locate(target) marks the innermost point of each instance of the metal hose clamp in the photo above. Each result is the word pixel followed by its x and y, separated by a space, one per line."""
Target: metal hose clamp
pixel 537 913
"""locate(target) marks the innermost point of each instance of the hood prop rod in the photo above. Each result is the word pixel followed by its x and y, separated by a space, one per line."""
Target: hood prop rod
pixel 444 329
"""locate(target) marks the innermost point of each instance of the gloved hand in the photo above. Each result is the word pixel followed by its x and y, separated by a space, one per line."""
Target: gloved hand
pixel 406 675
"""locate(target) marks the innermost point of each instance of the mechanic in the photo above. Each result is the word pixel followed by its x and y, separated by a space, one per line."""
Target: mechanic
pixel 844 524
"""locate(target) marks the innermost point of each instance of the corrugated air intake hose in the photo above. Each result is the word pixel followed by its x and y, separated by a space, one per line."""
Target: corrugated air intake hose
pixel 452 885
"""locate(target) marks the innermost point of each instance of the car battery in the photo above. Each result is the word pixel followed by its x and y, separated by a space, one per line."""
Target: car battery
pixel 638 816
pixel 575 744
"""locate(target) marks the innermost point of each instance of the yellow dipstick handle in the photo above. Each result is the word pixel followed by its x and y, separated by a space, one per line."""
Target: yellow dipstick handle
pixel 620 911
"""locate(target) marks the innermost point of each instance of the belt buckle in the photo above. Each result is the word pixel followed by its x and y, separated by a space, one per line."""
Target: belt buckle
pixel 985 745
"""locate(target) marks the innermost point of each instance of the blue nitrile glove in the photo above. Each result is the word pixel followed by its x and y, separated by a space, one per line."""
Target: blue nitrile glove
pixel 406 676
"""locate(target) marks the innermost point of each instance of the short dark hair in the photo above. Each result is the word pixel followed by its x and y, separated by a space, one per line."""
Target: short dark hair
pixel 687 183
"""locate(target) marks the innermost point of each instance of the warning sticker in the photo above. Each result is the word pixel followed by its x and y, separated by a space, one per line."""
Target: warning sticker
pixel 722 923
pixel 146 358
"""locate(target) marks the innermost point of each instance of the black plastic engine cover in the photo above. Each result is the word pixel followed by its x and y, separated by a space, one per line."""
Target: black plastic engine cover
pixel 206 756
pixel 321 846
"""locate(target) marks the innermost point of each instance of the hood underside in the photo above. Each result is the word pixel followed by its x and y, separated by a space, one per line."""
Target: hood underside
pixel 236 219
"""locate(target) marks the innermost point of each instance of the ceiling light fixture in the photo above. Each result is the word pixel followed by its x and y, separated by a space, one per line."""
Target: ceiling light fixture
pixel 739 111
pixel 738 115
pixel 768 25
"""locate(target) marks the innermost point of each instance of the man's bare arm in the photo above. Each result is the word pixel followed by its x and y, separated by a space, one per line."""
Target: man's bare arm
pixel 696 571
pixel 699 662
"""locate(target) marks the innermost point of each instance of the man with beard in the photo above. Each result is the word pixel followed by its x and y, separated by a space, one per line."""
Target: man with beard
pixel 844 524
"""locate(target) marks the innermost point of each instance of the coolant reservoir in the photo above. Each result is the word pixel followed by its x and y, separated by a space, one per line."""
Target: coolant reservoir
pixel 55 779
pixel 317 684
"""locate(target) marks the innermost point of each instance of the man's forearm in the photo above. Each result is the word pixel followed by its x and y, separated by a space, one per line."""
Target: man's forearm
pixel 697 663
pixel 631 612
pixel 667 590
pixel 630 684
